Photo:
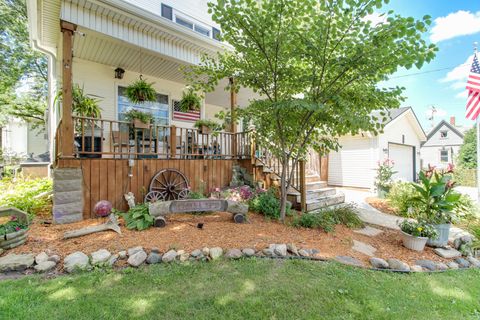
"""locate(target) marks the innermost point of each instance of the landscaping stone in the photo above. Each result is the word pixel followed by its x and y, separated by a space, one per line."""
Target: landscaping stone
pixel 462 263
pixel 464 239
pixel 416 268
pixel 447 253
pixel 292 248
pixel 113 259
pixel 134 250
pixel 155 249
pixel 41 257
pixel 122 254
pixel 314 251
pixel 364 248
pixel 183 257
pixel 441 266
pixel 379 263
pixel 248 252
pixel 303 253
pixel 233 254
pixel 154 258
pixel 169 256
pixel 474 262
pixel 349 261
pixel 100 256
pixel 1 251
pixel 235 207
pixel 268 252
pixel 215 253
pixel 453 265
pixel 76 261
pixel 16 262
pixel 280 250
pixel 395 264
pixel 427 264
pixel 137 258
pixel 197 253
pixel 45 266
pixel 369 231
pixel 55 258
pixel 206 251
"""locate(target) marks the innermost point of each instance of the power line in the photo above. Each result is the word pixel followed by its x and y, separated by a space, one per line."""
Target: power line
pixel 429 71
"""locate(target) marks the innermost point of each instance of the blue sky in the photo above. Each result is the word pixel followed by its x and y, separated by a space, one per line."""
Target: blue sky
pixel 455 27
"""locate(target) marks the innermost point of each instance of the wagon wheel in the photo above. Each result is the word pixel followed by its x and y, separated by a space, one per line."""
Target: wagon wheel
pixel 183 194
pixel 154 196
pixel 170 183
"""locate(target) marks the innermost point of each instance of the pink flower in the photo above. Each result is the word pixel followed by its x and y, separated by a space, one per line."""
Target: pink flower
pixel 217 189
pixel 450 168
pixel 13 218
pixel 17 228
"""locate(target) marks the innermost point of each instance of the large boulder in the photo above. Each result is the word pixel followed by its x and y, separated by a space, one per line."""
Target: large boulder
pixel 76 261
pixel 16 262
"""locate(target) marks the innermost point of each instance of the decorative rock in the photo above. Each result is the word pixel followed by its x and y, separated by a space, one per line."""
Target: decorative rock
pixel 134 250
pixel 364 248
pixel 235 254
pixel 137 258
pixel 427 264
pixel 379 263
pixel 45 266
pixel 159 208
pixel 100 256
pixel 183 257
pixel 1 251
pixel 416 268
pixel 268 252
pixel 248 252
pixel 280 250
pixel 41 257
pixel 303 253
pixel 16 262
pixel 237 207
pixel 76 261
pixel 447 253
pixel 292 248
pixel 169 256
pixel 113 259
pixel 154 258
pixel 122 255
pixel 462 263
pixel 215 253
pixel 314 251
pixel 441 266
pixel 349 261
pixel 206 251
pixel 453 265
pixel 398 265
pixel 369 231
pixel 155 250
pixel 474 261
pixel 197 253
pixel 55 258
pixel 459 241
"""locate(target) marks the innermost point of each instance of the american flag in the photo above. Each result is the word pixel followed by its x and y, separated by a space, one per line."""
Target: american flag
pixel 184 116
pixel 473 87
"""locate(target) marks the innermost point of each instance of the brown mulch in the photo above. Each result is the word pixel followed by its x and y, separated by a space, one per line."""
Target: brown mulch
pixel 382 205
pixel 181 232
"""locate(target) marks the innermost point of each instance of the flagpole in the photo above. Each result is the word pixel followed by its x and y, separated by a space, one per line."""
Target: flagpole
pixel 478 138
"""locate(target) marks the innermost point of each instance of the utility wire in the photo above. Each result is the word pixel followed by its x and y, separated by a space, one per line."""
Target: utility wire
pixel 429 71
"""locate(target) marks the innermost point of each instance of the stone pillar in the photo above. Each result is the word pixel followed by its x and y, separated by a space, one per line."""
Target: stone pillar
pixel 67 195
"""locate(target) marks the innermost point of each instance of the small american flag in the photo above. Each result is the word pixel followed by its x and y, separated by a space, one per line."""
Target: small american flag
pixel 184 116
pixel 473 86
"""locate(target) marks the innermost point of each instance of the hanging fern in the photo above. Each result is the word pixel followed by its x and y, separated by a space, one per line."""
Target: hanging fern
pixel 190 101
pixel 141 91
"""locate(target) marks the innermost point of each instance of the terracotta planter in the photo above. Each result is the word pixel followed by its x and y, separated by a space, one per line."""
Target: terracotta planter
pixel 137 123
pixel 443 232
pixel 413 243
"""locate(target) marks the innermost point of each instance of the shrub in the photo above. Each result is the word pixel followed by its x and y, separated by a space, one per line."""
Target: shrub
pixel 267 204
pixel 465 177
pixel 385 172
pixel 138 217
pixel 23 194
pixel 327 219
pixel 466 209
pixel 400 198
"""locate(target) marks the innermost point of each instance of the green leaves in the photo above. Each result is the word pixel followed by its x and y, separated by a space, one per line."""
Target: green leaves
pixel 138 217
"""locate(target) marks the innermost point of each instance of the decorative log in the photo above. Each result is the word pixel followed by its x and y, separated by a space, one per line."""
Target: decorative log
pixel 14 244
pixel 13 240
pixel 239 218
pixel 15 234
pixel 111 224
pixel 160 222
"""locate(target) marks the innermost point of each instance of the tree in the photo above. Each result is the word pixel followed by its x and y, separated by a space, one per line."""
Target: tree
pixel 467 155
pixel 317 66
pixel 20 65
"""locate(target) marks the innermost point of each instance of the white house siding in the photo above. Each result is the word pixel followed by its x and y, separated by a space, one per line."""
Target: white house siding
pixel 430 151
pixel 20 139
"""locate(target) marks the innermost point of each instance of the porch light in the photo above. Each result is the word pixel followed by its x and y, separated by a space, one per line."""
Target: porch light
pixel 119 72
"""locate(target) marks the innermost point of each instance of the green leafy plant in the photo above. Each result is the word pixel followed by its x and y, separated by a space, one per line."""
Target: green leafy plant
pixel 210 124
pixel 196 195
pixel 133 114
pixel 29 195
pixel 138 217
pixel 267 204
pixel 12 225
pixel 400 198
pixel 190 101
pixel 385 172
pixel 418 228
pixel 328 219
pixel 141 91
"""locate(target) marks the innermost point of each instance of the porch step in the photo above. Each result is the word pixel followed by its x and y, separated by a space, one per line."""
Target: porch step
pixel 312 178
pixel 313 194
pixel 316 185
pixel 327 201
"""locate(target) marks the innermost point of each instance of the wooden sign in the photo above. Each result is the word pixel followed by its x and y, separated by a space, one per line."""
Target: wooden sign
pixel 204 205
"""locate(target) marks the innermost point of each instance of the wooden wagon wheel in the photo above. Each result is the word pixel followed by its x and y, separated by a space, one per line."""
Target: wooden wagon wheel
pixel 154 196
pixel 170 183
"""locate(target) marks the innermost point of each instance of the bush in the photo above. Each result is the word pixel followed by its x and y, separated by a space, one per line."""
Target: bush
pixel 400 198
pixel 22 193
pixel 328 219
pixel 267 204
pixel 138 217
pixel 465 177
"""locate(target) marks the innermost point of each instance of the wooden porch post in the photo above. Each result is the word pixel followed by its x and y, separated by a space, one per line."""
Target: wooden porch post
pixel 66 126
pixel 324 168
pixel 173 141
pixel 233 116
pixel 303 187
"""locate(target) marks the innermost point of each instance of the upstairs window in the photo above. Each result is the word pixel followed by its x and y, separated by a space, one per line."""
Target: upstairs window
pixel 202 30
pixel 216 34
pixel 443 155
pixel 184 22
pixel 443 134
pixel 167 12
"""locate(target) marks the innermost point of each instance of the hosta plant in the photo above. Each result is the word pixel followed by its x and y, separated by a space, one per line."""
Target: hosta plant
pixel 138 218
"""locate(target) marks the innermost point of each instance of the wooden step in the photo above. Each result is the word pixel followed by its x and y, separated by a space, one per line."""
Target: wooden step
pixel 316 185
pixel 316 204
pixel 312 178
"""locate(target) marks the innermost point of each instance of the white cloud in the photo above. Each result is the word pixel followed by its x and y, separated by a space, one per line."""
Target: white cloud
pixel 376 18
pixel 462 95
pixel 439 112
pixel 460 72
pixel 460 23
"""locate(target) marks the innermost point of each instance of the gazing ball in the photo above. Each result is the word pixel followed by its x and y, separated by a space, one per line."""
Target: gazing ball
pixel 103 208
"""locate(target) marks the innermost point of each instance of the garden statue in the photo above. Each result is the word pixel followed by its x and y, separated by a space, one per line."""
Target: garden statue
pixel 130 197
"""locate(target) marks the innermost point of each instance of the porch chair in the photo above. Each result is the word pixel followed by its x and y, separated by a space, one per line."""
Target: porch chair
pixel 121 141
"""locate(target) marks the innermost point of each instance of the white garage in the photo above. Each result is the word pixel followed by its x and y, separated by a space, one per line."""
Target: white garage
pixel 354 164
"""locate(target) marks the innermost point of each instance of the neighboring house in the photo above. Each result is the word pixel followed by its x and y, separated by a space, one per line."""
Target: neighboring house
pixel 20 139
pixel 354 164
pixel 442 145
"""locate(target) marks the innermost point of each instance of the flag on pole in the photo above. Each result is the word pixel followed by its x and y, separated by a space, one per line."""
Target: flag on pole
pixel 473 87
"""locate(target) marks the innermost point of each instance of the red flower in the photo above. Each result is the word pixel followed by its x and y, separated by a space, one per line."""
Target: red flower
pixel 17 228
pixel 13 218
pixel 450 168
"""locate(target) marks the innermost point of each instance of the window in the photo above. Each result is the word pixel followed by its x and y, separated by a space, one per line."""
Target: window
pixel 159 109
pixel 215 34
pixel 443 134
pixel 202 30
pixel 167 12
pixel 443 155
pixel 183 22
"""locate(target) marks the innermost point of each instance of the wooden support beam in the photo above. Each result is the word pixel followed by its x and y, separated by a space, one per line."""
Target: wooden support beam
pixel 173 141
pixel 233 116
pixel 66 129
pixel 324 168
pixel 303 187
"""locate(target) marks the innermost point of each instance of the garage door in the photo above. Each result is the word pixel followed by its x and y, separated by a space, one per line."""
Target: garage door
pixel 353 165
pixel 403 161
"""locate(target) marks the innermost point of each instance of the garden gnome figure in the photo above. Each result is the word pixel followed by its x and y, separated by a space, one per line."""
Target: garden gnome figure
pixel 130 197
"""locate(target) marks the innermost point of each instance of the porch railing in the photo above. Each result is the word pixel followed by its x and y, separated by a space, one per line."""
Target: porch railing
pixel 97 138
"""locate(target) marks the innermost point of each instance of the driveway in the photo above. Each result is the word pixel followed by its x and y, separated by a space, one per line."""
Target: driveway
pixel 470 191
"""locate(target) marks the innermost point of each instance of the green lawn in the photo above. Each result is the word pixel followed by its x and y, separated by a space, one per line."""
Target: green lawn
pixel 246 289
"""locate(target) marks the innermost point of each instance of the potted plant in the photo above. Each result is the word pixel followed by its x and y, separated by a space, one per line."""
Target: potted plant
pixel 141 91
pixel 207 126
pixel 415 234
pixel 383 181
pixel 139 119
pixel 190 101
pixel 13 232
pixel 437 200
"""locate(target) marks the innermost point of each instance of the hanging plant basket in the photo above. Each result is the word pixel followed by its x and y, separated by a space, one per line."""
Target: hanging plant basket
pixel 190 101
pixel 141 91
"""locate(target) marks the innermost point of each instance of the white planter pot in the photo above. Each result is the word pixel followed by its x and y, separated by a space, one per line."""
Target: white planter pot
pixel 413 243
pixel 443 232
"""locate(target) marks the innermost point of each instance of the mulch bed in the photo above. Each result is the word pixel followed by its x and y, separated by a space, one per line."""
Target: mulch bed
pixel 181 232
pixel 382 205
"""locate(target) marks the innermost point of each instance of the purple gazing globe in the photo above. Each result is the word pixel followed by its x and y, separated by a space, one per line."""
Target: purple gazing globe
pixel 103 208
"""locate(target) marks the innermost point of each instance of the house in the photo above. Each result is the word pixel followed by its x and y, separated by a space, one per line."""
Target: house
pixel 20 139
pixel 104 46
pixel 354 164
pixel 442 145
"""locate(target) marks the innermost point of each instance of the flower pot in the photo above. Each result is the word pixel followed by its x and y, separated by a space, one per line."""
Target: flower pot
pixel 137 123
pixel 443 232
pixel 413 243
pixel 382 193
pixel 205 130
pixel 13 239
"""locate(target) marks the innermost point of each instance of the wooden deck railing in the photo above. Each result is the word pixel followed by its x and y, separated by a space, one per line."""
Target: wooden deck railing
pixel 96 138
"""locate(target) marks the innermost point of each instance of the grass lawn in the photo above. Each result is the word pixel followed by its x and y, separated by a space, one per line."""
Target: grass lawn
pixel 245 289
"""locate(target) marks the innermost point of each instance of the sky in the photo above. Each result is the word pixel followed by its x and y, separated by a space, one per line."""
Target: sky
pixel 455 27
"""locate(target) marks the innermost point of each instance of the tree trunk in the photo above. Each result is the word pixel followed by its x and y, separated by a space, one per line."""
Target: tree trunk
pixel 283 190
